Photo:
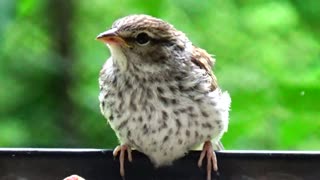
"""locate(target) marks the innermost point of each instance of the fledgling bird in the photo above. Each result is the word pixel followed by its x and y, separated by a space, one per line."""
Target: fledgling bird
pixel 159 94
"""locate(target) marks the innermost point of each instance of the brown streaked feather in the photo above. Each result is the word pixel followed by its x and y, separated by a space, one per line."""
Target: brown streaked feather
pixel 202 59
pixel 144 23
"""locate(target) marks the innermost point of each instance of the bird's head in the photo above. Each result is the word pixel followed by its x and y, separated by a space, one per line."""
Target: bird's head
pixel 143 41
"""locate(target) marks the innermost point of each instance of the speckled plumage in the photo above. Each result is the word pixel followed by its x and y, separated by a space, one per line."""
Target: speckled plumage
pixel 161 98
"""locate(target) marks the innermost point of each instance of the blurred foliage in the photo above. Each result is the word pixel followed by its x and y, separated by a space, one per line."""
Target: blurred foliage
pixel 268 58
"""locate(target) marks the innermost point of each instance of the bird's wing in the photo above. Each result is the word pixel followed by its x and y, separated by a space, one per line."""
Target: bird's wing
pixel 204 60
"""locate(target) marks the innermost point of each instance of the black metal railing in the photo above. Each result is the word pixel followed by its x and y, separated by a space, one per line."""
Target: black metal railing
pixel 96 164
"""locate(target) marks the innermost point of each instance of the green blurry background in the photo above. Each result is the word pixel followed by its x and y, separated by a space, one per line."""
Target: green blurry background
pixel 268 58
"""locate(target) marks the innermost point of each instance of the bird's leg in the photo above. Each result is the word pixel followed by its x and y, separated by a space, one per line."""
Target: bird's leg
pixel 122 149
pixel 207 150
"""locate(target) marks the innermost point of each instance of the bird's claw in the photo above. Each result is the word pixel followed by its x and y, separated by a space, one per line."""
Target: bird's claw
pixel 122 149
pixel 211 159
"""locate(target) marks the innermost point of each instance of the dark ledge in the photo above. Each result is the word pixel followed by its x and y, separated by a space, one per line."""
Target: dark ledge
pixel 96 164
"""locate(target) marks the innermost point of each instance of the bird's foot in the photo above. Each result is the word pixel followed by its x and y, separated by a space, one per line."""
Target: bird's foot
pixel 122 149
pixel 207 150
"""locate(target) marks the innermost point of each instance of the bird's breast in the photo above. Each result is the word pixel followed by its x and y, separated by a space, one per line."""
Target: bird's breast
pixel 161 118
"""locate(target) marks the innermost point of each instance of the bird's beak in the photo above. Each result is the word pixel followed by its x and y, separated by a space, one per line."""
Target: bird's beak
pixel 111 37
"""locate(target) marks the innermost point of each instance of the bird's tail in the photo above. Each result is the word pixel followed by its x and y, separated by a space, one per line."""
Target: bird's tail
pixel 218 146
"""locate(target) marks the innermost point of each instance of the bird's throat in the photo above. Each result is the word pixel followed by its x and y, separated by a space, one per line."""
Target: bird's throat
pixel 118 57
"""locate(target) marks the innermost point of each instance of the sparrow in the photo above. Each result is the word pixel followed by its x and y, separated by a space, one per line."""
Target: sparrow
pixel 159 94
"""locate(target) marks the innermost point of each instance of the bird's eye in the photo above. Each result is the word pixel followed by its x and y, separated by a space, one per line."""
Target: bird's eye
pixel 143 39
